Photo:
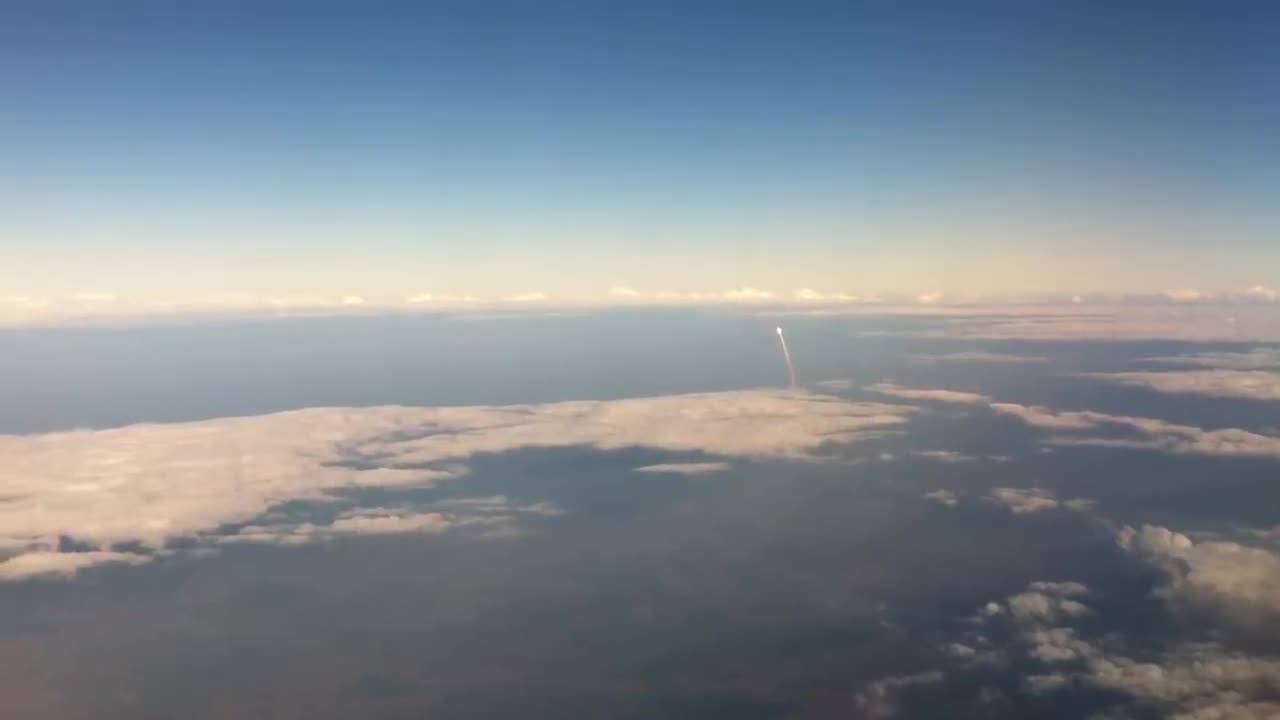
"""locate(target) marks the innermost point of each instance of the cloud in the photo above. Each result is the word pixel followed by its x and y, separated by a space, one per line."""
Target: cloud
pixel 382 521
pixel 46 563
pixel 23 301
pixel 1152 434
pixel 944 396
pixel 748 293
pixel 622 291
pixel 929 298
pixel 1184 295
pixel 705 468
pixel 811 295
pixel 1029 501
pixel 878 699
pixel 946 497
pixel 1043 643
pixel 1254 359
pixel 1254 384
pixel 1238 583
pixel 353 300
pixel 429 298
pixel 1260 292
pixel 527 297
pixel 150 484
pixel 979 357
pixel 1024 502
pixel 946 456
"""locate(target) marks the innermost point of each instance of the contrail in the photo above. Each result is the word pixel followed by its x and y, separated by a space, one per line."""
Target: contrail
pixel 791 369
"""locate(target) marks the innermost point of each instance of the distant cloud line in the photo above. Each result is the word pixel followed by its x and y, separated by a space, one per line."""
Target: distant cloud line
pixel 99 303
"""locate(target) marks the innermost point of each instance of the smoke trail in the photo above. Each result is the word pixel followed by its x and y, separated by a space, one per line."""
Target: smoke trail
pixel 791 369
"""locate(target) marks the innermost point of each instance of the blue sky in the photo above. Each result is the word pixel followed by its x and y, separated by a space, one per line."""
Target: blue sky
pixel 181 152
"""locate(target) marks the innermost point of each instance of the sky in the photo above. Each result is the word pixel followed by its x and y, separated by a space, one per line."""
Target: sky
pixel 233 152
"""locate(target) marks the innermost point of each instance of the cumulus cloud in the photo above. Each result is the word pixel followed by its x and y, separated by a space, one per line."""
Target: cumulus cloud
pixel 152 483
pixel 979 357
pixel 1029 501
pixel 703 468
pixel 1240 584
pixel 1024 501
pixel 1255 384
pixel 944 396
pixel 1188 680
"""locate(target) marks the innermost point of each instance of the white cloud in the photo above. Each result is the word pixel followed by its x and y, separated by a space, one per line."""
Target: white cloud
pixel 622 291
pixel 376 521
pixel 1190 680
pixel 1184 295
pixel 1254 359
pixel 427 298
pixel 47 563
pixel 748 294
pixel 1155 434
pixel 929 298
pixel 527 297
pixel 945 396
pixel 946 456
pixel 878 699
pixel 1261 292
pixel 153 483
pixel 1255 384
pixel 23 301
pixel 353 300
pixel 811 295
pixel 704 468
pixel 1028 501
pixel 1240 584
pixel 1024 501
pixel 979 357
pixel 1041 417
pixel 946 497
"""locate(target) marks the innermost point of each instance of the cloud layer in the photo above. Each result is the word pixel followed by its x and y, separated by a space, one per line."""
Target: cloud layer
pixel 1254 384
pixel 149 484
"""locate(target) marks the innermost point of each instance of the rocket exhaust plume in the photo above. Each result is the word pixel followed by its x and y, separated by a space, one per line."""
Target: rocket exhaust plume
pixel 786 354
